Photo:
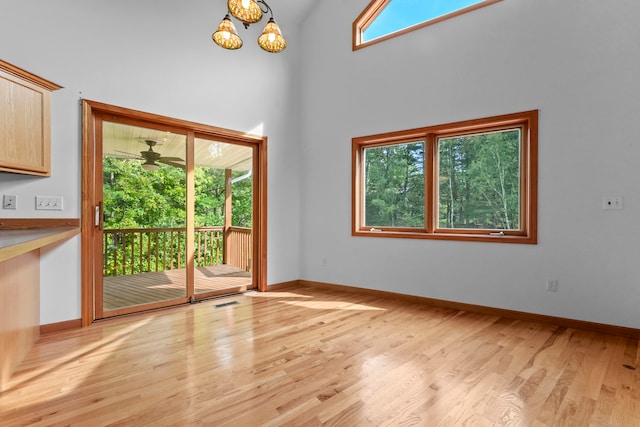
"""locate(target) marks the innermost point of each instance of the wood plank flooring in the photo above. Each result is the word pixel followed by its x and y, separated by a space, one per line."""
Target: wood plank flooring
pixel 305 356
pixel 143 288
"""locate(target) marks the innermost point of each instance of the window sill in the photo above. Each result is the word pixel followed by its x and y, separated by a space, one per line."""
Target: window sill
pixel 467 237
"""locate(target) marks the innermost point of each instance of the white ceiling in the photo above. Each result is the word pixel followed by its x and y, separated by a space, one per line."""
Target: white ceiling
pixel 289 13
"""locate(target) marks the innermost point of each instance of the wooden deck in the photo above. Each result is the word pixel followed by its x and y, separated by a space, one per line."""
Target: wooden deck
pixel 135 289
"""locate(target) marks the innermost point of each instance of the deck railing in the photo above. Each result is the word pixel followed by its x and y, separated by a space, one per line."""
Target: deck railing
pixel 139 250
pixel 239 247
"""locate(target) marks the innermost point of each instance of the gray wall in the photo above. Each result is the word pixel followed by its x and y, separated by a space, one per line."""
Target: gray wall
pixel 576 61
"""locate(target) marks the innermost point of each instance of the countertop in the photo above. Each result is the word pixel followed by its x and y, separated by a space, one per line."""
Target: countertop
pixel 17 242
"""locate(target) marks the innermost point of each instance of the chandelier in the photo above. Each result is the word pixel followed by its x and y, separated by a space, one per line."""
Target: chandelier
pixel 249 12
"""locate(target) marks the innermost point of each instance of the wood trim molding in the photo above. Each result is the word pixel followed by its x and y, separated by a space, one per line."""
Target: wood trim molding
pixel 371 12
pixel 30 77
pixel 491 311
pixel 60 326
pixel 224 135
pixel 283 286
pixel 26 223
pixel 260 217
pixel 88 215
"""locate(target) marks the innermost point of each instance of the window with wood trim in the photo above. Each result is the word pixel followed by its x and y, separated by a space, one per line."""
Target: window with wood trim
pixel 470 180
pixel 384 19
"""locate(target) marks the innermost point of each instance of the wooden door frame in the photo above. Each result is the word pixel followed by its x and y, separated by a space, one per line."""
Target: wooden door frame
pixel 91 109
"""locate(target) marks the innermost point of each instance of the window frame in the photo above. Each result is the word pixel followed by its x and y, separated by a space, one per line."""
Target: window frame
pixel 371 12
pixel 526 121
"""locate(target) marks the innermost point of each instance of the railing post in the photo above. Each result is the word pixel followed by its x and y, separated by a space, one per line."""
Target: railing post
pixel 228 203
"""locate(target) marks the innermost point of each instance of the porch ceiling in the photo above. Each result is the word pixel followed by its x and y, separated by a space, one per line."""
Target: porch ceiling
pixel 126 142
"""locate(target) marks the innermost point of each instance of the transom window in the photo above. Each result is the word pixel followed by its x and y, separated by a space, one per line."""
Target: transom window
pixel 473 180
pixel 383 19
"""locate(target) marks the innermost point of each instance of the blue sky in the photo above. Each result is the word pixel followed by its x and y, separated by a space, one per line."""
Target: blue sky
pixel 400 14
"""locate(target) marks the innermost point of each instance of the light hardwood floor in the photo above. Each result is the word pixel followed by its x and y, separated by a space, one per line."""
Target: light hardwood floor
pixel 305 357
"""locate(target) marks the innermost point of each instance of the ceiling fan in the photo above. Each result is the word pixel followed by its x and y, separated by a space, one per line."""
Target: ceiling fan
pixel 150 158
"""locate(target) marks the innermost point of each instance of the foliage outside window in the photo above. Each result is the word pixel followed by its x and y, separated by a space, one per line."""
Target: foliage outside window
pixel 139 199
pixel 473 180
pixel 136 198
pixel 384 19
pixel 395 185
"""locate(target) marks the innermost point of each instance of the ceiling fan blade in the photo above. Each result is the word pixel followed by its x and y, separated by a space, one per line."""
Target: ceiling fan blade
pixel 172 159
pixel 171 162
pixel 127 155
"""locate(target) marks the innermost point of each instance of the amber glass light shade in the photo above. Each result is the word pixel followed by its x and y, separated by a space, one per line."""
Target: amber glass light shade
pixel 247 11
pixel 271 38
pixel 226 35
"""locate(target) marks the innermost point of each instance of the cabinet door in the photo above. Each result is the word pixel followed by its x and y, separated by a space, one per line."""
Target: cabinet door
pixel 25 126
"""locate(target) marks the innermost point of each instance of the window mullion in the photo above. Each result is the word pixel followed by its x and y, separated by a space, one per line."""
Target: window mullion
pixel 430 182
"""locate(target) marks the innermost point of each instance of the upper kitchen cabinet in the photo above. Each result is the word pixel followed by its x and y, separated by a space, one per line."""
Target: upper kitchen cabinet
pixel 25 121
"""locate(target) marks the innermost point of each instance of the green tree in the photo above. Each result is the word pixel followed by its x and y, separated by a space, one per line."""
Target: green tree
pixel 137 198
pixel 209 197
pixel 395 185
pixel 479 180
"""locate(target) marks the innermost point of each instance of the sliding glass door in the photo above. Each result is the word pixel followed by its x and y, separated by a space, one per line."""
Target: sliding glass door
pixel 175 215
pixel 223 216
pixel 144 210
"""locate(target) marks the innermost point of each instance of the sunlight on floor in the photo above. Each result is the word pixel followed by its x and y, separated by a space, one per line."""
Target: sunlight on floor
pixel 272 294
pixel 316 305
pixel 332 305
pixel 93 354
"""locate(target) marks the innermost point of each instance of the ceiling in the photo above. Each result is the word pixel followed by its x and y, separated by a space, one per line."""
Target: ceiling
pixel 127 142
pixel 290 13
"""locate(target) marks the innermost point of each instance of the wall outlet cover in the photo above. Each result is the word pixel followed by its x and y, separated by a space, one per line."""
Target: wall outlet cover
pixel 9 202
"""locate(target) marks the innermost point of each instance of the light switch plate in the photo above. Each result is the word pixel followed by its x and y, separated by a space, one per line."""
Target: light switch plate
pixel 50 203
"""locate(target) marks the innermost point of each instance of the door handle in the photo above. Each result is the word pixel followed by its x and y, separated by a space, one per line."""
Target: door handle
pixel 98 216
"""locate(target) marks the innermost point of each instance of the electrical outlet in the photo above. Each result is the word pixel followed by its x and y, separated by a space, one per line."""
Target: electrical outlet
pixel 9 202
pixel 552 285
pixel 612 202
